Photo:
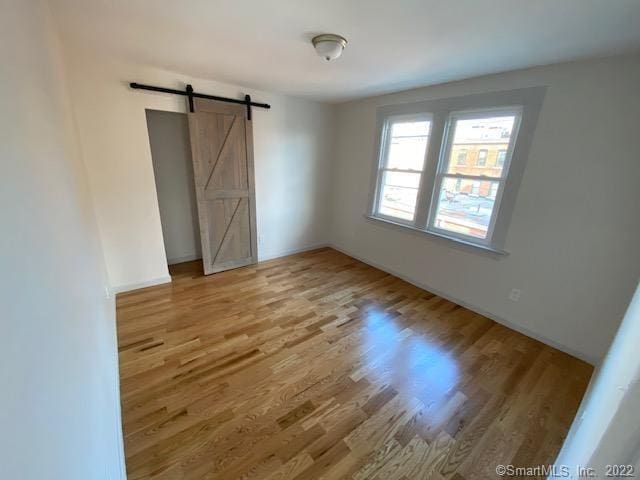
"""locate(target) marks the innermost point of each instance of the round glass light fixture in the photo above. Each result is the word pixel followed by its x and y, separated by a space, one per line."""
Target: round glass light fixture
pixel 329 46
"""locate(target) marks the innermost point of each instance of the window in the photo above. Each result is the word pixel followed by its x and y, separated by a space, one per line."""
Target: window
pixel 482 158
pixel 469 210
pixel 451 167
pixel 406 141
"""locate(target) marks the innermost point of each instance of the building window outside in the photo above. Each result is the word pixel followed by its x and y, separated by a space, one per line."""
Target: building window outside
pixel 502 154
pixel 482 157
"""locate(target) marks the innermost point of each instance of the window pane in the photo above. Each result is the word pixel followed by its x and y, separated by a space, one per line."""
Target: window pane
pixel 482 157
pixel 398 195
pixel 408 144
pixel 482 143
pixel 465 206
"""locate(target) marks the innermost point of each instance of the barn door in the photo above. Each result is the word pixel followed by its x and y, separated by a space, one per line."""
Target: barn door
pixel 222 152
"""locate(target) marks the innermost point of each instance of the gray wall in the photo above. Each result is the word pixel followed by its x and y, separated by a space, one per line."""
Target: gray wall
pixel 573 237
pixel 173 171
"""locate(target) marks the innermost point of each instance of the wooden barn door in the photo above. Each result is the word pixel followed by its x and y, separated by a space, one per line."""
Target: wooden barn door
pixel 222 152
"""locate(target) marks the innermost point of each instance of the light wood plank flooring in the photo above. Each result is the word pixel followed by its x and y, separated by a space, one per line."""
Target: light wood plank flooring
pixel 319 366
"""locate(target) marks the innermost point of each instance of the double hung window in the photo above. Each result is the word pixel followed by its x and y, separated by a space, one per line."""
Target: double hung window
pixel 451 167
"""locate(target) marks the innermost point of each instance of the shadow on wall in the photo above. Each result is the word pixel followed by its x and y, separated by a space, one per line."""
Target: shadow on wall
pixel 173 172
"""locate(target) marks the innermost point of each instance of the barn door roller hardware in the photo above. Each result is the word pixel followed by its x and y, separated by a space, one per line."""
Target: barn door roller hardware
pixel 188 92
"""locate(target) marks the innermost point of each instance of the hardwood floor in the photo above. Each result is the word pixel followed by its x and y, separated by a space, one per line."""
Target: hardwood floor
pixel 317 365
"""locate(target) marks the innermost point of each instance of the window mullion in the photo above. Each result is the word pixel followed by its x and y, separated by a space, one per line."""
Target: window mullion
pixel 433 204
pixel 425 190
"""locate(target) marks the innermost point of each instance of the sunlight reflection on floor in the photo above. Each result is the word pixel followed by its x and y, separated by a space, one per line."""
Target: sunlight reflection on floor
pixel 414 365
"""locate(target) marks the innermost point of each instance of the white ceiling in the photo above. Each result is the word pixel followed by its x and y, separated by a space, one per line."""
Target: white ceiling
pixel 393 45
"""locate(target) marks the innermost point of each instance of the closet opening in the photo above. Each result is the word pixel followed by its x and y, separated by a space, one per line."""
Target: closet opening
pixel 173 172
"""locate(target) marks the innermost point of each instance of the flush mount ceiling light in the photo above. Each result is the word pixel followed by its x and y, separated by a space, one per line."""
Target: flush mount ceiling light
pixel 329 46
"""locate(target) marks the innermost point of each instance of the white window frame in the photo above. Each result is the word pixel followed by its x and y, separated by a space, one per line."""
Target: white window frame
pixel 526 102
pixel 384 160
pixel 443 161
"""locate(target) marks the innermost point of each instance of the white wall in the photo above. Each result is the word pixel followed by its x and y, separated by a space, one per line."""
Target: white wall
pixel 59 407
pixel 606 430
pixel 173 171
pixel 573 238
pixel 291 149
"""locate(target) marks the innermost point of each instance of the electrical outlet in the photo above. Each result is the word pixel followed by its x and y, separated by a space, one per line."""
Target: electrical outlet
pixel 514 295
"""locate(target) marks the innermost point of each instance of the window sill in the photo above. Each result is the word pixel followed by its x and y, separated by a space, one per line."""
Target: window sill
pixel 457 241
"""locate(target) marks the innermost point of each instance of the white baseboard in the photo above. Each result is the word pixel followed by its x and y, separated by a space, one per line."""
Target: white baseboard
pixel 484 313
pixel 286 253
pixel 135 286
pixel 167 279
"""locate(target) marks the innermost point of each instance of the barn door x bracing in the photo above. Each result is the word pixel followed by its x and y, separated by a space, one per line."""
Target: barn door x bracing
pixel 222 152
